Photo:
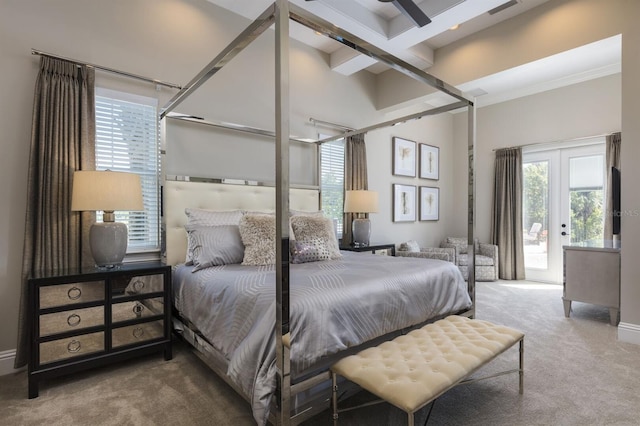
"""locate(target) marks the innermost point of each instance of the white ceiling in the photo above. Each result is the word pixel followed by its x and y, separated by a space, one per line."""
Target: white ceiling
pixel 382 25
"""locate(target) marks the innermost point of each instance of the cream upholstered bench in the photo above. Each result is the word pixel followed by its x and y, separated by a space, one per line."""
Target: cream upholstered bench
pixel 414 369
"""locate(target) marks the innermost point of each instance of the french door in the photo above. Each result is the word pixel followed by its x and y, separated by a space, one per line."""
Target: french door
pixel 563 203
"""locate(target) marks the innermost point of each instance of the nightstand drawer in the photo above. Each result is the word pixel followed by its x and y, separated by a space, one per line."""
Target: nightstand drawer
pixel 137 309
pixel 132 285
pixel 67 294
pixel 137 333
pixel 61 349
pixel 76 319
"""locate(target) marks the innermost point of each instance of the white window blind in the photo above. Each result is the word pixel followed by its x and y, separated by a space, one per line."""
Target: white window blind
pixel 127 129
pixel 332 180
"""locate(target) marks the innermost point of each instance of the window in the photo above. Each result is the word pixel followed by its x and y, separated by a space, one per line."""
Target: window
pixel 127 129
pixel 332 180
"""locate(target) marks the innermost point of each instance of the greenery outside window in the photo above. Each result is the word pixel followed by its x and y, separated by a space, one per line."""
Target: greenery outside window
pixel 332 181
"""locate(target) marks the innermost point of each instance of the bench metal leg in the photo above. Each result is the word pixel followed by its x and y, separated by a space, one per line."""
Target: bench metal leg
pixel 410 419
pixel 521 373
pixel 334 397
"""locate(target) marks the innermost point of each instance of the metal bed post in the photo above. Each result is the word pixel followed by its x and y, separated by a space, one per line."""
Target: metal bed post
pixel 471 134
pixel 283 361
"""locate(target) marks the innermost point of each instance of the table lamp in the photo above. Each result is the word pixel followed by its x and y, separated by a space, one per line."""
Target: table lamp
pixel 360 202
pixel 107 191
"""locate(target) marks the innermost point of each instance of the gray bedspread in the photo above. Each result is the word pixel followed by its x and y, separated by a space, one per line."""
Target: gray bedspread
pixel 334 305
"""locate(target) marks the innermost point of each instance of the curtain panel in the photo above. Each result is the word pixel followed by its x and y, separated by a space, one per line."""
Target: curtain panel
pixel 612 155
pixel 62 141
pixel 506 228
pixel 355 177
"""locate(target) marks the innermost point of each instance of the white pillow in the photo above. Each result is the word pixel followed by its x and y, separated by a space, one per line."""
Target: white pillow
pixel 204 217
pixel 410 246
pixel 317 231
pixel 215 245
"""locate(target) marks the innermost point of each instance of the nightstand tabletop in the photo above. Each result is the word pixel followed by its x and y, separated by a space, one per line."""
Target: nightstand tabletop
pixel 372 248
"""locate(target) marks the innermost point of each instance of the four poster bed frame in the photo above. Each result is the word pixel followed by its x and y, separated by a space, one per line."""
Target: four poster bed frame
pixel 280 13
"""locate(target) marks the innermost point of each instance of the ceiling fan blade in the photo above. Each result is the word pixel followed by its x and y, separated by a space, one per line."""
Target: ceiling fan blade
pixel 412 11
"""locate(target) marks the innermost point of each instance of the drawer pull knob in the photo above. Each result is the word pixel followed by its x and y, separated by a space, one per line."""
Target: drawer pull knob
pixel 74 293
pixel 73 320
pixel 74 346
pixel 137 309
pixel 138 332
pixel 138 285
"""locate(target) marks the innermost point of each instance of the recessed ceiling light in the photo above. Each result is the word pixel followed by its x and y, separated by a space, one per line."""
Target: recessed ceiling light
pixel 455 27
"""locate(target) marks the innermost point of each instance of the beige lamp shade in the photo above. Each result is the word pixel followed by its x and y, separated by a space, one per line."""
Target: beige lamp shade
pixel 106 191
pixel 361 201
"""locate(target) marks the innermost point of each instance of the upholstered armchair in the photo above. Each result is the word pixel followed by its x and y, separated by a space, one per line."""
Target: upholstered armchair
pixel 486 258
pixel 412 249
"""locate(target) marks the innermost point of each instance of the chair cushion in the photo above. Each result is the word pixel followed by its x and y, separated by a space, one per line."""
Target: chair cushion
pixel 480 260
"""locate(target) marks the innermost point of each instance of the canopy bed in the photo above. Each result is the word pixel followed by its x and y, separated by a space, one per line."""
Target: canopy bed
pixel 280 389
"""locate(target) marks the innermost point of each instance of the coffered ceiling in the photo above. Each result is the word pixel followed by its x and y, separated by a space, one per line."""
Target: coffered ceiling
pixel 383 25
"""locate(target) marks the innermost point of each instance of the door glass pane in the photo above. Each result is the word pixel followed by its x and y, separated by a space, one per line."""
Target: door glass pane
pixel 536 214
pixel 586 189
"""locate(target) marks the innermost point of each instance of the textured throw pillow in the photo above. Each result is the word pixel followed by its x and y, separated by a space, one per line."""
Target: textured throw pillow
pixel 316 231
pixel 202 217
pixel 313 251
pixel 215 245
pixel 410 246
pixel 258 236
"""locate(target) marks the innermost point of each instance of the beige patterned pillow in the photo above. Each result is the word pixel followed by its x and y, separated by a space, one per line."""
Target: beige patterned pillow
pixel 317 231
pixel 258 236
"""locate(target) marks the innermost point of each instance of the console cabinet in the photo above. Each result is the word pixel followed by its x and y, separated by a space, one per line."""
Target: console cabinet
pixel 89 317
pixel 592 275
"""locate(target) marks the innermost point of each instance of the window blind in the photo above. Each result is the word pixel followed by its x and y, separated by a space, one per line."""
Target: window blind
pixel 127 129
pixel 332 180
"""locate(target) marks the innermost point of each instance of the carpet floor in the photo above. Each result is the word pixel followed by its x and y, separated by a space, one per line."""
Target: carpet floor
pixel 576 373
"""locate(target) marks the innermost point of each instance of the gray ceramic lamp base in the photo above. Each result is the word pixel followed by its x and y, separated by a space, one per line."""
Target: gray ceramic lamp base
pixel 361 229
pixel 108 243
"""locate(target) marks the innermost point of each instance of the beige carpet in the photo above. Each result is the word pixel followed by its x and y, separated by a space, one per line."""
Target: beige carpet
pixel 577 373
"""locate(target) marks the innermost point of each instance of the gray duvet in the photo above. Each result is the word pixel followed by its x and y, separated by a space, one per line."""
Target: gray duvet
pixel 334 305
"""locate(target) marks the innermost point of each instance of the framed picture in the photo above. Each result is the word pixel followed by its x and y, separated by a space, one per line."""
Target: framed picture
pixel 404 203
pixel 429 203
pixel 404 157
pixel 429 162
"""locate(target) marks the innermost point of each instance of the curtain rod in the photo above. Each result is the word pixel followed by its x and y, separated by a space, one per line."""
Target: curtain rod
pixel 552 142
pixel 107 69
pixel 329 124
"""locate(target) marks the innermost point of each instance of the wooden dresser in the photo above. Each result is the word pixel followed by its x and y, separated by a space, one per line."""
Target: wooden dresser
pixel 90 317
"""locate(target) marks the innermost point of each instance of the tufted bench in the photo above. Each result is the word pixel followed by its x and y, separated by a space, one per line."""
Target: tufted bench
pixel 414 369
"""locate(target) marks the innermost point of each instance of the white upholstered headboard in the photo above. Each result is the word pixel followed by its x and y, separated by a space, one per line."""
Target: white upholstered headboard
pixel 179 195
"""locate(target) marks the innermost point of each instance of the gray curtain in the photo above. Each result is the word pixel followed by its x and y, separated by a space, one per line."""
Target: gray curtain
pixel 506 227
pixel 355 176
pixel 614 141
pixel 62 141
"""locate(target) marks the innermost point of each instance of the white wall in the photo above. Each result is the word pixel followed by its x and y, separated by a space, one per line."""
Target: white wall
pixel 585 109
pixel 436 131
pixel 173 40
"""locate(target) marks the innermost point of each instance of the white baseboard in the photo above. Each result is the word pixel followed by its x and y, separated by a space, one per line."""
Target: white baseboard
pixel 629 333
pixel 7 358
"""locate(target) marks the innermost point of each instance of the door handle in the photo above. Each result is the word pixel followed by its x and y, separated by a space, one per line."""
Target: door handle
pixel 564 233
